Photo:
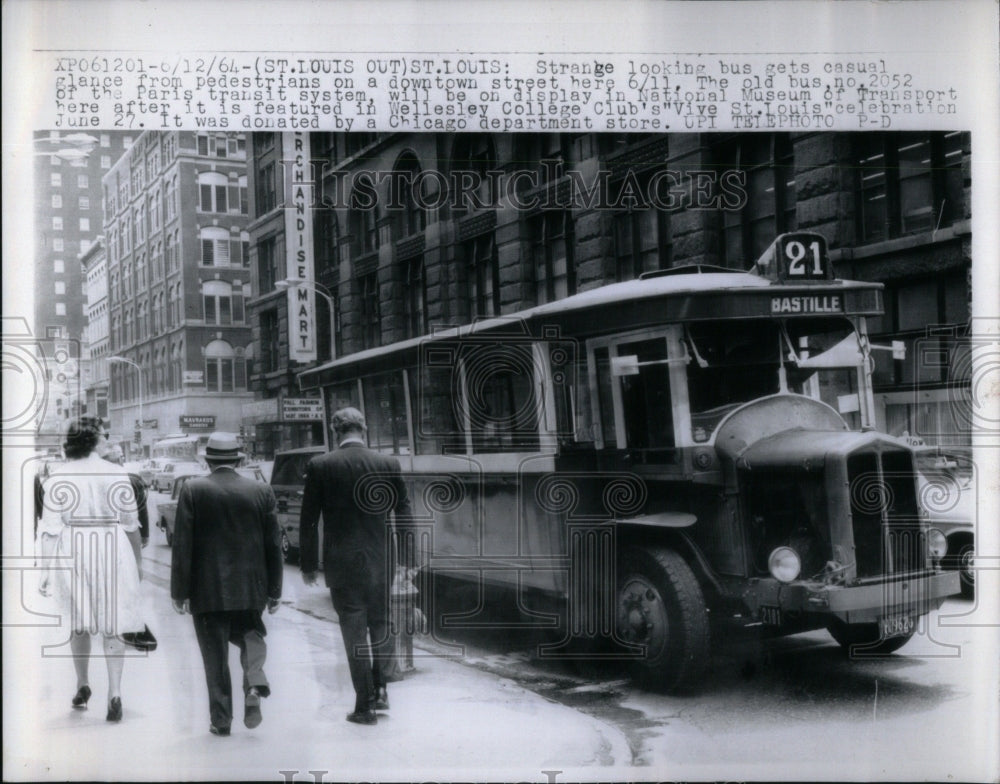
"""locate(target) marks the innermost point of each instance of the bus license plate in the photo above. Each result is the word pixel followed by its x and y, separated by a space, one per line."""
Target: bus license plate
pixel 895 626
pixel 770 616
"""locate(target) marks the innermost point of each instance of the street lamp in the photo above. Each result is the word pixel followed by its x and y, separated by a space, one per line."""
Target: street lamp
pixel 138 370
pixel 324 292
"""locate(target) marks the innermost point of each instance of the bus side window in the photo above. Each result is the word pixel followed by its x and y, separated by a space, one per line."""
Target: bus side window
pixel 434 402
pixel 385 413
pixel 574 415
pixel 501 399
pixel 605 400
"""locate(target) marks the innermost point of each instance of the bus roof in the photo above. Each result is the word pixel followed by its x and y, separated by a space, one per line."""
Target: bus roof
pixel 679 290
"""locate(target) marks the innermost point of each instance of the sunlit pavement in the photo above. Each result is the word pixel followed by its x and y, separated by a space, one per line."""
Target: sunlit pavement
pixel 446 720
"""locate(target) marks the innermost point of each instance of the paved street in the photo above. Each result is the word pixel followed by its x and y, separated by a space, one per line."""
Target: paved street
pixel 794 707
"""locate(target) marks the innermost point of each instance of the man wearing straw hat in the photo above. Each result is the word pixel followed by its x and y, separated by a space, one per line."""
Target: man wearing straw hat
pixel 226 567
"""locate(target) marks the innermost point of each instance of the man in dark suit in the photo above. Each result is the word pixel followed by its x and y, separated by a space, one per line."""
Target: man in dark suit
pixel 355 488
pixel 226 567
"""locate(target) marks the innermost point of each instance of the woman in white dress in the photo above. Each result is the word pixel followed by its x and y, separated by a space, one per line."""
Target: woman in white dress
pixel 90 536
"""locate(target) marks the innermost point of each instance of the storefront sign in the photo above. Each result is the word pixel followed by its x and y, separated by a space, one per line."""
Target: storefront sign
pixel 197 421
pixel 299 409
pixel 260 410
pixel 194 377
pixel 299 246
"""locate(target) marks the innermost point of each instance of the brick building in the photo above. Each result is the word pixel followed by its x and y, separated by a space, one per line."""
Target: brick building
pixel 176 212
pixel 68 218
pixel 413 231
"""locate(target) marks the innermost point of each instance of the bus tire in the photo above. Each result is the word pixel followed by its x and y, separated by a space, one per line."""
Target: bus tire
pixel 660 604
pixel 865 637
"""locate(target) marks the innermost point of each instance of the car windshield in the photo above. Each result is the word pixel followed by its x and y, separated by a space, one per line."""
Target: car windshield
pixel 290 469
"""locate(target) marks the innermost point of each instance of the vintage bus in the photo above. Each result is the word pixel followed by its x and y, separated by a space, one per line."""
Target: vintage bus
pixel 647 464
pixel 180 447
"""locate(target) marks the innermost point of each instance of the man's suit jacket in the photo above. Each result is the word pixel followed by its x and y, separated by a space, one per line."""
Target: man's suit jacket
pixel 355 488
pixel 227 546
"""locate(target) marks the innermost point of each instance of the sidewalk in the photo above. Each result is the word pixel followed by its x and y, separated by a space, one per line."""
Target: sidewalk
pixel 447 721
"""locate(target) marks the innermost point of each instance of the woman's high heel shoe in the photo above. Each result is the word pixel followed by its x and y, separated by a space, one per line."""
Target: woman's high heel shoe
pixel 115 709
pixel 80 700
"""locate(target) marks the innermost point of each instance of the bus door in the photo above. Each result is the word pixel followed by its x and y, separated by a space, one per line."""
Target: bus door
pixel 638 383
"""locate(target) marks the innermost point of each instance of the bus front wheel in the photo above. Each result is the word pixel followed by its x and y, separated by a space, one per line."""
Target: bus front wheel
pixel 660 606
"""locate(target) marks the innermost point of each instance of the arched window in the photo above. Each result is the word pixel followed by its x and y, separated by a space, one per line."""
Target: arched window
pixel 364 218
pixel 411 217
pixel 214 246
pixel 212 192
pixel 220 367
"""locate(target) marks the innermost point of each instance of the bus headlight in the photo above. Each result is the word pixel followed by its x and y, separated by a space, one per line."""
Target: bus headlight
pixel 784 564
pixel 937 544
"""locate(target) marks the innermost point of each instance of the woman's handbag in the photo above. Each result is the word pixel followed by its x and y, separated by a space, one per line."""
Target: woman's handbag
pixel 141 641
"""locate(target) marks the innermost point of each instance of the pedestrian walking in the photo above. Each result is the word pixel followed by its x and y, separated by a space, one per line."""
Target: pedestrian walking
pixel 226 568
pixel 346 486
pixel 114 454
pixel 89 530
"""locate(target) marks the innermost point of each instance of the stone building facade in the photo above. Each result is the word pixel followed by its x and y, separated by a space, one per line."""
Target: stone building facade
pixel 417 231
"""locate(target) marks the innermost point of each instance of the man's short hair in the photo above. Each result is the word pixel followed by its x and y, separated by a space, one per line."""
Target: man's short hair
pixel 348 419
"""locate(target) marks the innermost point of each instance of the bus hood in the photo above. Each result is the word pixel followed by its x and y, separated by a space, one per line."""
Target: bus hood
pixel 768 416
pixel 810 448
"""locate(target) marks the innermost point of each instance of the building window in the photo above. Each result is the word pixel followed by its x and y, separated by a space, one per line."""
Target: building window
pixel 371 325
pixel 56 201
pixel 267 265
pixel 57 223
pixel 552 252
pixel 105 161
pixel 214 247
pixel 218 301
pixel 60 308
pixel 244 199
pixel 58 266
pixel 473 160
pixel 911 307
pixel 84 224
pixel 411 217
pixel 766 162
pixel 60 287
pixel 416 297
pixel 269 346
pixel 212 188
pixel 266 193
pixel 58 245
pixel 482 276
pixel 82 181
pixel 327 246
pixel 55 180
pixel 127 142
pixel 105 140
pixel 364 220
pixel 909 182
pixel 83 202
pixel 220 370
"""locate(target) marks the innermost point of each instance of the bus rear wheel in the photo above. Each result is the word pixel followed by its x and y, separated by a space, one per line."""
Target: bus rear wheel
pixel 660 605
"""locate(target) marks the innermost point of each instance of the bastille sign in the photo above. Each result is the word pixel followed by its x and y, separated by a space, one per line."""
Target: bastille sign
pixel 298 244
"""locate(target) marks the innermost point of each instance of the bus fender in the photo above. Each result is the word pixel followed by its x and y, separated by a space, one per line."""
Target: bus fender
pixel 662 520
pixel 672 525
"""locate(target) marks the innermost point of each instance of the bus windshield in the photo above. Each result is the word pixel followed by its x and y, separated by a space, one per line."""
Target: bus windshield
pixel 732 363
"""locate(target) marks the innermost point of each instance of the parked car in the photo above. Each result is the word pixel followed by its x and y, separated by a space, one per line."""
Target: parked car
pixel 168 509
pixel 288 482
pixel 947 493
pixel 163 480
pixel 148 468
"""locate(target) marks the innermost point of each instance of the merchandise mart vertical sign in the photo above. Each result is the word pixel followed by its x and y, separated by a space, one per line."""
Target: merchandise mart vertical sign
pixel 299 246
